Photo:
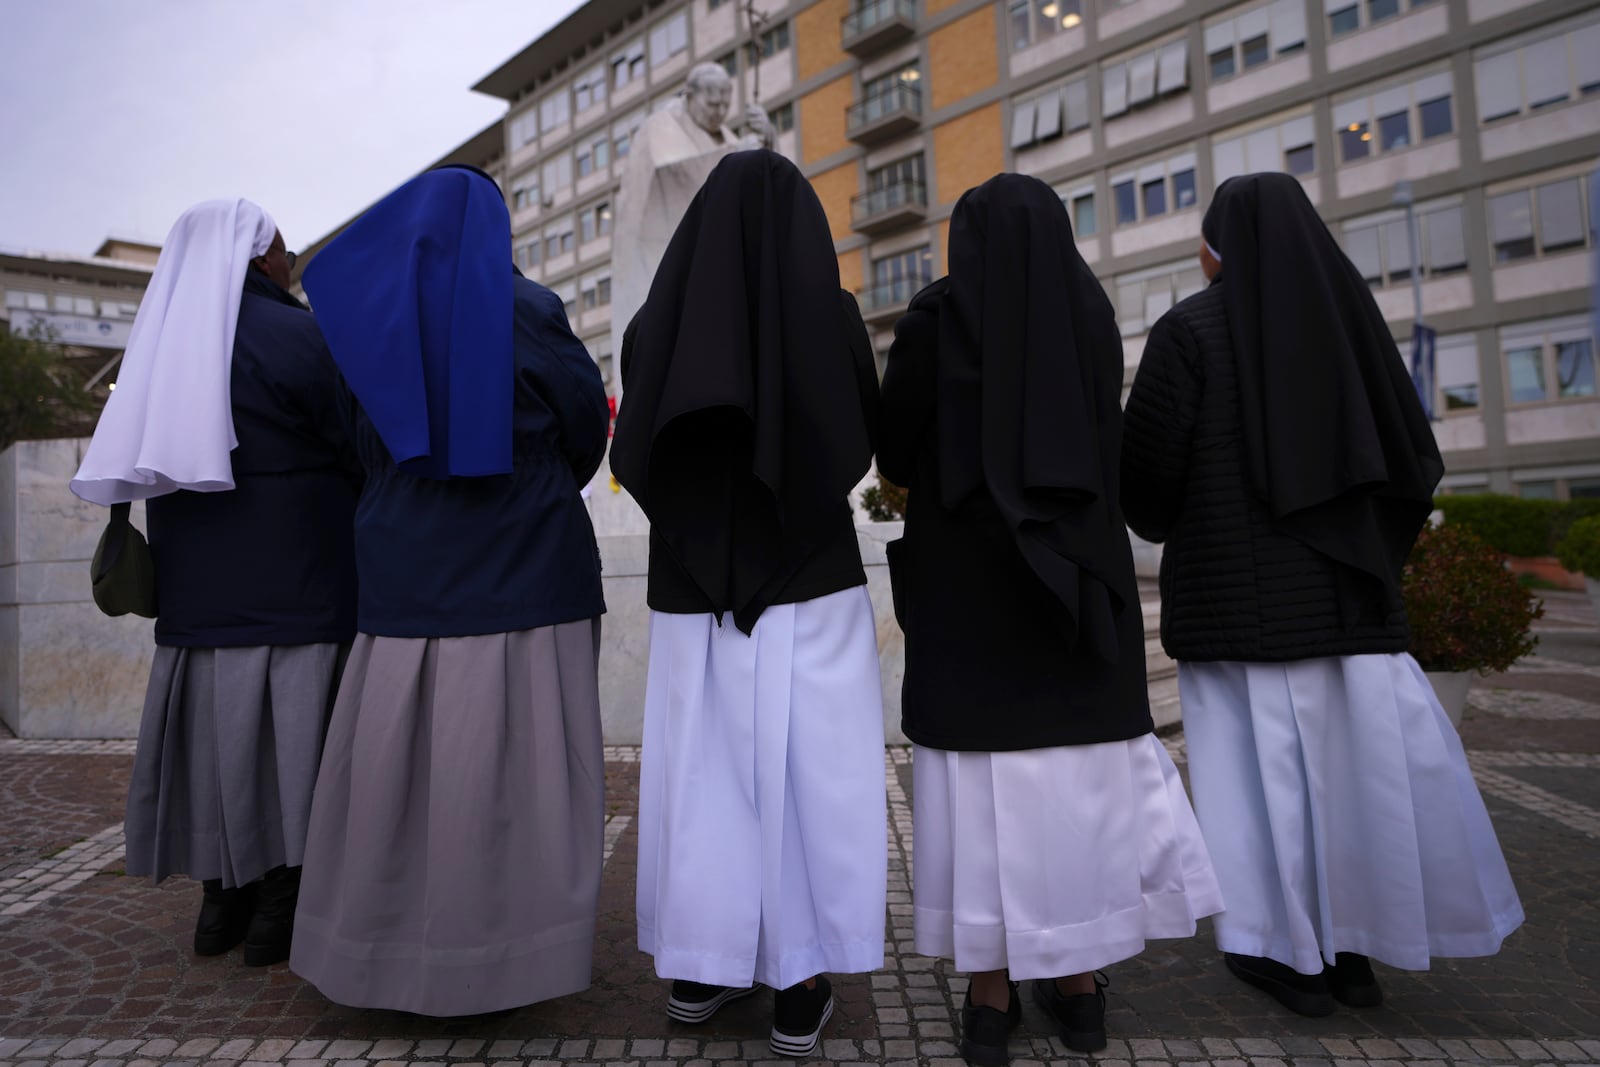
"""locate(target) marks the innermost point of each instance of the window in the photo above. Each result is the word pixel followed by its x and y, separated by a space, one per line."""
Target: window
pixel 782 118
pixel 1045 116
pixel 729 61
pixel 524 192
pixel 558 239
pixel 1348 16
pixel 527 253
pixel 1254 37
pixel 622 133
pixel 896 279
pixel 627 65
pixel 557 173
pixel 669 38
pixel 1033 21
pixel 770 43
pixel 82 305
pixel 524 128
pixel 1538 73
pixel 1545 219
pixel 596 155
pixel 904 172
pixel 1144 296
pixel 1456 373
pixel 594 222
pixel 1286 145
pixel 555 109
pixel 1079 202
pixel 1155 189
pixel 1394 118
pixel 1380 248
pixel 1549 361
pixel 589 89
pixel 712 5
pixel 1144 79
pixel 889 93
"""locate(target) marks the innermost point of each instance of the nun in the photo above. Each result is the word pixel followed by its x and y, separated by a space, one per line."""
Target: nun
pixel 454 858
pixel 1276 445
pixel 225 422
pixel 1052 833
pixel 747 420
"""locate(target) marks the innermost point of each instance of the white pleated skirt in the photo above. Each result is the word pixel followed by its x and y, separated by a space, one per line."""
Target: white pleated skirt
pixel 1338 805
pixel 762 821
pixel 1054 861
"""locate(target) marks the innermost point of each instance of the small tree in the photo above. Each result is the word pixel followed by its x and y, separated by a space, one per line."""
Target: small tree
pixel 1580 549
pixel 885 502
pixel 40 396
pixel 1467 612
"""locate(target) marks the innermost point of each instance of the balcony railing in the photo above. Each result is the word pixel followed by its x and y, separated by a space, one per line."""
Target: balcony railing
pixel 886 113
pixel 893 205
pixel 888 299
pixel 876 24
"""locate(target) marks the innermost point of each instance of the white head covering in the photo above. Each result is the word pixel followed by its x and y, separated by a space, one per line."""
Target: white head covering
pixel 169 423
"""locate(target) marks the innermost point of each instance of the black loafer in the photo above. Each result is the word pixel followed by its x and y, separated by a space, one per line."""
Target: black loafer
pixel 1352 982
pixel 986 1031
pixel 1303 994
pixel 1082 1017
pixel 224 917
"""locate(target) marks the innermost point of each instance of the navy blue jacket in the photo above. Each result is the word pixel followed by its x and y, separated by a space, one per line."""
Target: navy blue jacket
pixel 459 556
pixel 272 561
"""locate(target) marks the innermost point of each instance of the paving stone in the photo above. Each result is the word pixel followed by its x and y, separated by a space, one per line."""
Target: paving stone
pixel 683 1048
pixel 1379 1048
pixel 10 1046
pixel 433 1048
pixel 306 1050
pixel 610 1049
pixel 233 1050
pixel 838 1048
pixel 198 1048
pixel 1564 1050
pixel 1218 1046
pixel 80 1046
pixel 465 1048
pixel 1427 1050
pixel 1258 1046
pixel 645 1047
pixel 540 1048
pixel 1145 1048
pixel 161 1046
pixel 937 1048
pixel 715 1050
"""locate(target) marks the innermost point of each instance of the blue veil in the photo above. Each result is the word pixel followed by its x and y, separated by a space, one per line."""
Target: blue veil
pixel 415 301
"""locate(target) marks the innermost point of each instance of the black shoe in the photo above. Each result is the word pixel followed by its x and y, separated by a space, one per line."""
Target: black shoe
pixel 273 923
pixel 1352 982
pixel 224 917
pixel 986 1031
pixel 1082 1016
pixel 1303 994
pixel 798 1016
pixel 692 1002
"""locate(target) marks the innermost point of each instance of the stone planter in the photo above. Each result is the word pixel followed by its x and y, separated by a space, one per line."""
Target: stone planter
pixel 1545 568
pixel 1594 593
pixel 1451 689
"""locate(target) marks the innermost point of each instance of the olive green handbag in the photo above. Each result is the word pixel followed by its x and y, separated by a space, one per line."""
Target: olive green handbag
pixel 123 574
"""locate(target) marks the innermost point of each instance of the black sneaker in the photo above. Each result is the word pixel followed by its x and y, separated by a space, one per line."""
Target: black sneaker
pixel 1303 994
pixel 692 1002
pixel 798 1016
pixel 986 1031
pixel 224 917
pixel 1082 1016
pixel 1351 981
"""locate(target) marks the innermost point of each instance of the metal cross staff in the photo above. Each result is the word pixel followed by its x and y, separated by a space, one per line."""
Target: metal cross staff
pixel 754 22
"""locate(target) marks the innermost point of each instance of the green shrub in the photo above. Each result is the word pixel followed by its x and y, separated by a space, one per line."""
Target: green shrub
pixel 39 394
pixel 1580 549
pixel 1467 612
pixel 1515 526
pixel 885 502
pixel 1568 513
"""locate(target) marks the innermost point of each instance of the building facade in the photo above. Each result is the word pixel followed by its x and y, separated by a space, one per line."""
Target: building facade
pixel 1134 111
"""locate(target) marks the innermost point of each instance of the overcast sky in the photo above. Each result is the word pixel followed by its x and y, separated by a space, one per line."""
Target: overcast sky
pixel 118 114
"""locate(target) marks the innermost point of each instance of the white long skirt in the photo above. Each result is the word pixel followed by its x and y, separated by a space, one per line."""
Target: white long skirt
pixel 1054 861
pixel 1339 808
pixel 762 822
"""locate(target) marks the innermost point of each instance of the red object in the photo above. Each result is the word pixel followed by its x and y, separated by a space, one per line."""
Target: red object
pixel 611 402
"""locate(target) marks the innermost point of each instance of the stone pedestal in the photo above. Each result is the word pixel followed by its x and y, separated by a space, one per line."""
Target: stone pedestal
pixel 66 671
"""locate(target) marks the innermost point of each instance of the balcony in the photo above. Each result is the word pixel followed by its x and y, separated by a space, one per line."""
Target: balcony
pixel 893 206
pixel 890 113
pixel 885 302
pixel 877 24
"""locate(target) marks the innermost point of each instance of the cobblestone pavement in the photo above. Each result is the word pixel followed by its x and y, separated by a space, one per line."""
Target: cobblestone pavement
pixel 95 970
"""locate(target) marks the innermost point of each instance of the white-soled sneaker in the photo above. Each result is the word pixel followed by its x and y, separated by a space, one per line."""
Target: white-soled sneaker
pixel 798 1016
pixel 694 1002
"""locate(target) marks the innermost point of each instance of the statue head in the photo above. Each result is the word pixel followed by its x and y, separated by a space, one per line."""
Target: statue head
pixel 707 94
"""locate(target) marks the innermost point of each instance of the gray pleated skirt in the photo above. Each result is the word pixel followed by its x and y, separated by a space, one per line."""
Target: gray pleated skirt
pixel 453 864
pixel 227 757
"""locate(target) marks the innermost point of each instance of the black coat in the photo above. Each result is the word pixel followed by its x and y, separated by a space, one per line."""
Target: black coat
pixel 987 668
pixel 270 562
pixel 1233 585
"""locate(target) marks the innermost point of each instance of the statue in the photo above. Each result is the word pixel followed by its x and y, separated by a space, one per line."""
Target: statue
pixel 671 155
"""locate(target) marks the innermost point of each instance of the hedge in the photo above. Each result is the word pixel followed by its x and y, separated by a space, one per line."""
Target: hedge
pixel 1515 526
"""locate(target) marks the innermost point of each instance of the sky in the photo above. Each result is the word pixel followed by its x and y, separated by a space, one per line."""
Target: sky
pixel 119 114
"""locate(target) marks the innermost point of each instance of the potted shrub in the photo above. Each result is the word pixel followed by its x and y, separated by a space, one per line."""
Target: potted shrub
pixel 1467 612
pixel 1580 551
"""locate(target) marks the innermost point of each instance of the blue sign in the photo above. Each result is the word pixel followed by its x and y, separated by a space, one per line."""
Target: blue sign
pixel 1423 341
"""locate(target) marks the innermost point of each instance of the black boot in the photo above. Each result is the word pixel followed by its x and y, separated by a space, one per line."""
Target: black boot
pixel 273 923
pixel 1352 982
pixel 224 916
pixel 1304 994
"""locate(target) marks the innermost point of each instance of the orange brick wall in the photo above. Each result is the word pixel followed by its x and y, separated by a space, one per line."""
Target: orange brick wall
pixel 822 120
pixel 935 6
pixel 850 271
pixel 817 36
pixel 962 59
pixel 966 152
pixel 835 188
pixel 941 254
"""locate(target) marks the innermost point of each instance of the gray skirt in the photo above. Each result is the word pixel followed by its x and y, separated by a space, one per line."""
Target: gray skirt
pixel 453 864
pixel 227 757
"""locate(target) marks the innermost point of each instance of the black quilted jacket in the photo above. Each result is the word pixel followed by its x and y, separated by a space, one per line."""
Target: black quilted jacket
pixel 1232 587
